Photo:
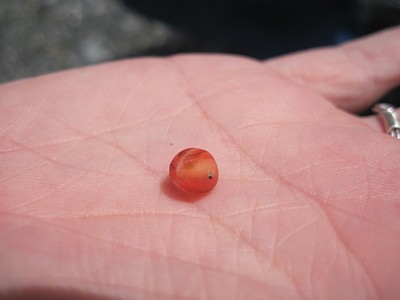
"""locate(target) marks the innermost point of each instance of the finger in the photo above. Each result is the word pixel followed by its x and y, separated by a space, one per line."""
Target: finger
pixel 353 75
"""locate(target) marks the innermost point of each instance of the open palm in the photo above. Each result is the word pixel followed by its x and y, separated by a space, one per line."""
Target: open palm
pixel 307 205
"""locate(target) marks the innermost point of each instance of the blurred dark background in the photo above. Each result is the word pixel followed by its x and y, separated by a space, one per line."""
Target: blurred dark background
pixel 42 36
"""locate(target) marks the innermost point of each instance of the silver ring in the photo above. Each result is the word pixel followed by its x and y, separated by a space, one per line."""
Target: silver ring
pixel 389 118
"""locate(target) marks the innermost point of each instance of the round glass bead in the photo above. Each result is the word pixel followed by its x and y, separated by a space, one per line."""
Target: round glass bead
pixel 194 170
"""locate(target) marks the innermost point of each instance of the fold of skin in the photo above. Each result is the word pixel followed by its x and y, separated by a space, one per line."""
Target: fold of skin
pixel 307 205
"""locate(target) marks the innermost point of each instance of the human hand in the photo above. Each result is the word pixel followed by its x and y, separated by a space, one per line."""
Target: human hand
pixel 307 205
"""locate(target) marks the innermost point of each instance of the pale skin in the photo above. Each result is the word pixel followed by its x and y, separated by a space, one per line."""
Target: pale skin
pixel 307 205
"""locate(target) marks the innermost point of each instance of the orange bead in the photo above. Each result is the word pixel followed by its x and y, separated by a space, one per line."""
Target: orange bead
pixel 194 170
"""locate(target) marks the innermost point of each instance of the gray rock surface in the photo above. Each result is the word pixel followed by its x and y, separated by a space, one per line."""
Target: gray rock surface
pixel 42 36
